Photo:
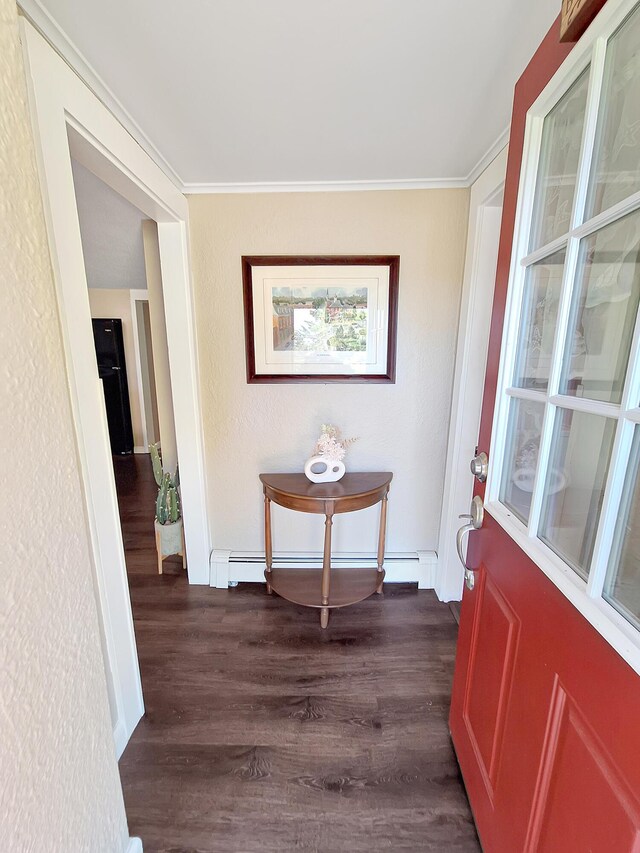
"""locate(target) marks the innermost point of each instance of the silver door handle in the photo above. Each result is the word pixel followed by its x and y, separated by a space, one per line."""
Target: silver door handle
pixel 476 517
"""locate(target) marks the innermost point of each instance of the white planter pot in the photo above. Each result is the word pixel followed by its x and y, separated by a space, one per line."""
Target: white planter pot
pixel 169 538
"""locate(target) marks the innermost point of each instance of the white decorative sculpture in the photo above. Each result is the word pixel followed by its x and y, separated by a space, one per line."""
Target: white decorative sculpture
pixel 326 465
pixel 326 470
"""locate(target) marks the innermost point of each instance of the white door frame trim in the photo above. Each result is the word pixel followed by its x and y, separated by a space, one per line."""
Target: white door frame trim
pixel 69 119
pixel 471 355
pixel 139 296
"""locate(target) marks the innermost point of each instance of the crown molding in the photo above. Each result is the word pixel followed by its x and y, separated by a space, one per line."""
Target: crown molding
pixel 489 156
pixel 64 47
pixel 483 163
pixel 62 44
pixel 326 186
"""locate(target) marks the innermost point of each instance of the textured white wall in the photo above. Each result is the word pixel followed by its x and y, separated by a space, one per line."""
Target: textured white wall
pixel 402 428
pixel 116 303
pixel 59 785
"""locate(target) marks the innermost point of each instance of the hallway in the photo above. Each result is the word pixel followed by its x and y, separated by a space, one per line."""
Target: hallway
pixel 263 733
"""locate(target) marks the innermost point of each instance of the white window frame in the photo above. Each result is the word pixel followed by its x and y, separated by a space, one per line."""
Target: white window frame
pixel 585 596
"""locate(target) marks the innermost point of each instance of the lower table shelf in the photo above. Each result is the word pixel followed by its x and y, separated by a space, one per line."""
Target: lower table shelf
pixel 303 586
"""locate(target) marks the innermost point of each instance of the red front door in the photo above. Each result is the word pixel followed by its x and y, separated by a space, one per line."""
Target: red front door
pixel 545 714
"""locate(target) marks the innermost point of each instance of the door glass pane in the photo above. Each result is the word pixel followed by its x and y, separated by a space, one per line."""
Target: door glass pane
pixel 521 457
pixel 542 287
pixel 558 166
pixel 622 585
pixel 574 487
pixel 616 167
pixel 603 314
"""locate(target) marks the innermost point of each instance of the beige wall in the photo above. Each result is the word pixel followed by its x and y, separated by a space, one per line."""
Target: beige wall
pixel 161 367
pixel 401 427
pixel 116 303
pixel 59 785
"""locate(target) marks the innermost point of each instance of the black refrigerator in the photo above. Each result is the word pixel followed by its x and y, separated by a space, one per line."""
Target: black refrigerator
pixel 112 369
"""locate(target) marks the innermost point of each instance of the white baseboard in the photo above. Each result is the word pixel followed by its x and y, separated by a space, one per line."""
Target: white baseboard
pixel 134 845
pixel 140 449
pixel 248 567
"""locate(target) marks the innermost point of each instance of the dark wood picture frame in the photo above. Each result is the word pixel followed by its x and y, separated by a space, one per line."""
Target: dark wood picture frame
pixel 249 262
pixel 575 17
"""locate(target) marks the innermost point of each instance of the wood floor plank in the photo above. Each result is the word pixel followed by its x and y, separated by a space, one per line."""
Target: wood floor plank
pixel 260 779
pixel 267 720
pixel 264 733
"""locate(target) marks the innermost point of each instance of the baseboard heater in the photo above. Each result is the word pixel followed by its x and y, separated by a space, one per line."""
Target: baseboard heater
pixel 231 567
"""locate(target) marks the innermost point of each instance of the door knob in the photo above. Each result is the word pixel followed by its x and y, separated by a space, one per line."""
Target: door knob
pixel 480 466
pixel 476 517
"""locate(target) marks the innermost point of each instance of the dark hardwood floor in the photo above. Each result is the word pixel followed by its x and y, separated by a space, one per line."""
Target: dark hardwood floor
pixel 264 733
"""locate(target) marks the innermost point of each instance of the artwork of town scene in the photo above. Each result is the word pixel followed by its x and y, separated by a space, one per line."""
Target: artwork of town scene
pixel 319 319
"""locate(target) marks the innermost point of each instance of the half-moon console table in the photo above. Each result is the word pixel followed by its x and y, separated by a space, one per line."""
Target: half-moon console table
pixel 325 588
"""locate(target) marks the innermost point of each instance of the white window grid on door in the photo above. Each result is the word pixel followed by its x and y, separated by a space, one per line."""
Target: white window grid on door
pixel 586 596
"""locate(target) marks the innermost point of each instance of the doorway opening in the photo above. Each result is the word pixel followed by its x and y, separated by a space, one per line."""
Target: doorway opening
pixel 146 377
pixel 123 278
pixel 124 281
pixel 485 216
pixel 70 123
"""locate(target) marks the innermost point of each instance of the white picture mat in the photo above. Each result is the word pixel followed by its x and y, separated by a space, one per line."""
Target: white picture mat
pixel 372 361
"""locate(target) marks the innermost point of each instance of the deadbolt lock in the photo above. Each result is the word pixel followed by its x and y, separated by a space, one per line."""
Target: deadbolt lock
pixel 480 466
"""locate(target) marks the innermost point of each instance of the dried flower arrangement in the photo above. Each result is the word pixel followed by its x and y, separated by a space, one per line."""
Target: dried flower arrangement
pixel 330 445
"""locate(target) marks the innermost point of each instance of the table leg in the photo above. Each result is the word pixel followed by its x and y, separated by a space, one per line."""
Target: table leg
pixel 381 538
pixel 326 569
pixel 267 540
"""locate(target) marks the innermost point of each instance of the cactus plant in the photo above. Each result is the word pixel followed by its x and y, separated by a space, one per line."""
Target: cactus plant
pixel 156 462
pixel 168 523
pixel 168 500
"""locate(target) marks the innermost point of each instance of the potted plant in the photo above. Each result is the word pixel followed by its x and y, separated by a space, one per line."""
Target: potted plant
pixel 168 521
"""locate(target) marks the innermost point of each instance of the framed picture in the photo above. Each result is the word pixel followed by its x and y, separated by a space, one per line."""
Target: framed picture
pixel 576 15
pixel 317 318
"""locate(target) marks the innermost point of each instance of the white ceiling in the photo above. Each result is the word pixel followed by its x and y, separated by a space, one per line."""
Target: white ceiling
pixel 255 91
pixel 111 230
